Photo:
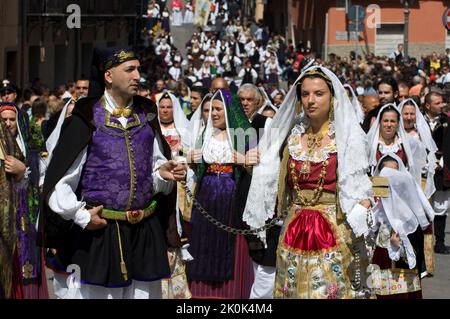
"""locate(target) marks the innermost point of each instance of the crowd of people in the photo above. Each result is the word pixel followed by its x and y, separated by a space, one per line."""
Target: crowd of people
pixel 200 176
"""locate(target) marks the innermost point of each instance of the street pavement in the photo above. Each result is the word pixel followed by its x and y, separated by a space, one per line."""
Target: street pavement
pixel 438 286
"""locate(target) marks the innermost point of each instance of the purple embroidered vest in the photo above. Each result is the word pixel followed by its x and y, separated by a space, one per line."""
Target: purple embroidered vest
pixel 118 169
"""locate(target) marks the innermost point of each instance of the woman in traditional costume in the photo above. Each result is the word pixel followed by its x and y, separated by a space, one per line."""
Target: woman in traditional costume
pixel 400 219
pixel 9 279
pixel 321 183
pixel 221 267
pixel 416 126
pixel 188 13
pixel 387 135
pixel 28 258
pixel 174 127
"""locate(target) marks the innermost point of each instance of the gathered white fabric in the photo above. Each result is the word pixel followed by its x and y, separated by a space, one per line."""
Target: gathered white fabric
pixel 406 207
pixel 414 150
pixel 352 151
pixel 425 137
pixel 358 109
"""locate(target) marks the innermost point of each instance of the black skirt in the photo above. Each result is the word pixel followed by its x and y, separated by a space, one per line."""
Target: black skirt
pixel 97 253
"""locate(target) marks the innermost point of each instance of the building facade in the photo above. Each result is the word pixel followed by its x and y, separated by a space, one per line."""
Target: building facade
pixel 41 39
pixel 325 26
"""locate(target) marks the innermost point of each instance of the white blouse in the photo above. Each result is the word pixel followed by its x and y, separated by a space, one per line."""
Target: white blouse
pixel 217 151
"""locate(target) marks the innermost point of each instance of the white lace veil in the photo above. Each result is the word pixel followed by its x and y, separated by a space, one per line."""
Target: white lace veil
pixel 354 99
pixel 425 137
pixel 406 207
pixel 351 143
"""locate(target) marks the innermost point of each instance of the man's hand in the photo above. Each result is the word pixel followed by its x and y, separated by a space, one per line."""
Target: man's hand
pixel 15 167
pixel 173 171
pixel 96 222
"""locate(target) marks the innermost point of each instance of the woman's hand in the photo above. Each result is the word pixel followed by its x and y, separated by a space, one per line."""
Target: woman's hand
pixel 252 157
pixel 395 240
pixel 15 167
pixel 366 203
pixel 238 158
pixel 195 156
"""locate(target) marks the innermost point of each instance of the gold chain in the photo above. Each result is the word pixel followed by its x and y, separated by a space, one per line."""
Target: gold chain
pixel 317 191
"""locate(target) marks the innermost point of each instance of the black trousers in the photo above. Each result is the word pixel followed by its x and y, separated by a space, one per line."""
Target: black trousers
pixel 439 229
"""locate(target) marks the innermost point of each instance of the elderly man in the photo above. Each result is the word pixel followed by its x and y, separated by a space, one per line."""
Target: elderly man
pixel 264 259
pixel 108 191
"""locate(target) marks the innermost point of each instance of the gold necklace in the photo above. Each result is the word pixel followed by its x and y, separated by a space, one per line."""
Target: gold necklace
pixel 314 142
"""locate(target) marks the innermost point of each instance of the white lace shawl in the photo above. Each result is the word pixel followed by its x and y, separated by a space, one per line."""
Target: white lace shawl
pixel 406 207
pixel 424 132
pixel 351 142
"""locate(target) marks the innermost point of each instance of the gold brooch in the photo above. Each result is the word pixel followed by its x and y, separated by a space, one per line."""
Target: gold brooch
pixel 121 112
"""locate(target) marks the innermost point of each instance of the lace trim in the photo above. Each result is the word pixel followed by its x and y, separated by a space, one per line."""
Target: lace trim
pixel 299 154
pixel 394 148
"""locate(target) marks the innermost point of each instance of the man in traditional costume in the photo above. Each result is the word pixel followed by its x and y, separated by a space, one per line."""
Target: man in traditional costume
pixel 108 191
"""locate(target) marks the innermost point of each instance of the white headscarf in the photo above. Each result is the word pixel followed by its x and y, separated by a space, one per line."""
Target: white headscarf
pixel 351 143
pixel 356 104
pixel 425 137
pixel 209 130
pixel 267 101
pixel 196 122
pixel 179 119
pixel 54 137
pixel 414 150
pixel 406 207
